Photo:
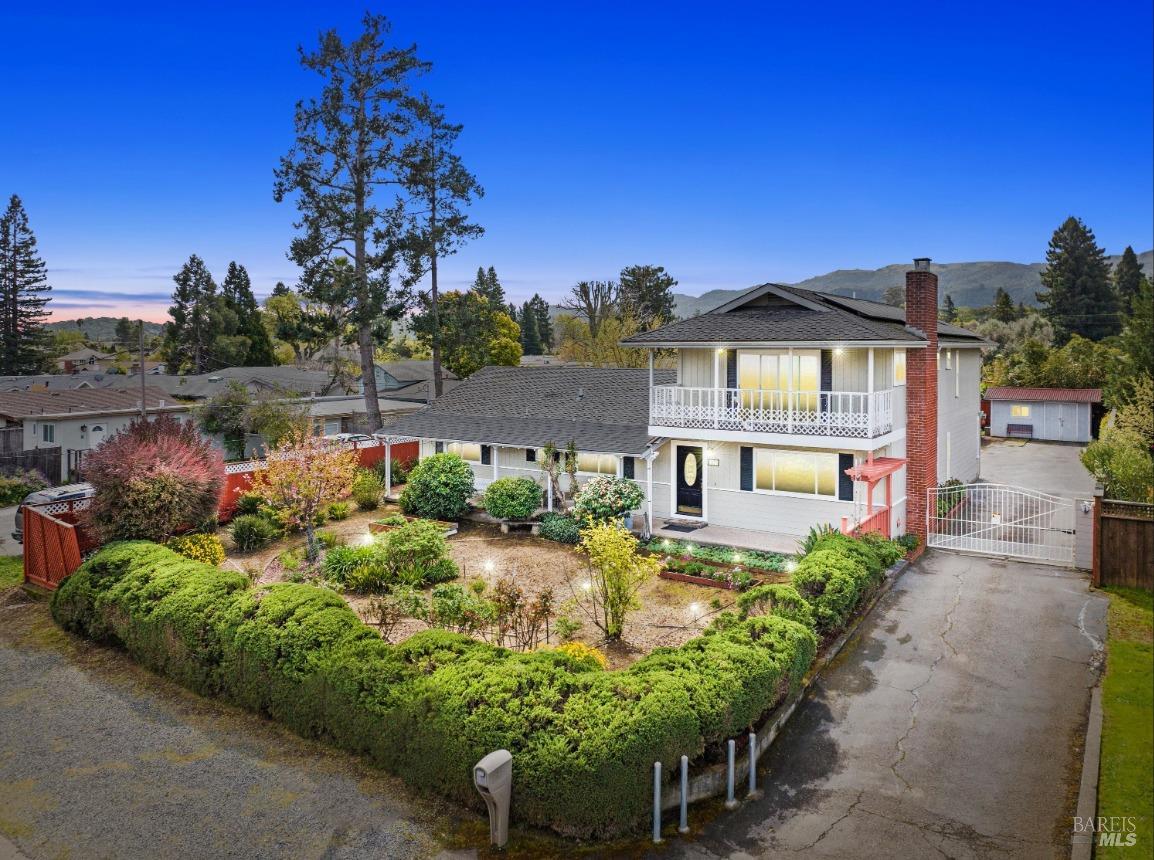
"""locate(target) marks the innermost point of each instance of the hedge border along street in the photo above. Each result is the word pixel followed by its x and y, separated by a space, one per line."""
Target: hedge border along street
pixel 584 741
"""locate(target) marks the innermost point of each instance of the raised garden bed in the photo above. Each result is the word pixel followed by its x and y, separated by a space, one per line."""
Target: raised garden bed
pixel 701 573
pixel 380 526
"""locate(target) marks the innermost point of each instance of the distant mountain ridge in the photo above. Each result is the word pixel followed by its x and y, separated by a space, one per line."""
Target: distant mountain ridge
pixel 970 284
pixel 99 328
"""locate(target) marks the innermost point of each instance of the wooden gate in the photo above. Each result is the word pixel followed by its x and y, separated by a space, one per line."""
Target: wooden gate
pixel 54 545
pixel 1124 544
pixel 995 519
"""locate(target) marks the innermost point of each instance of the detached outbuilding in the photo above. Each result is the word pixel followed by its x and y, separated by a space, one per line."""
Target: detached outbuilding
pixel 1047 414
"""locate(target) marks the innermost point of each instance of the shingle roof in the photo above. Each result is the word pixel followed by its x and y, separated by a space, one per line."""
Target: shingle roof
pixel 31 404
pixel 1063 395
pixel 824 317
pixel 599 409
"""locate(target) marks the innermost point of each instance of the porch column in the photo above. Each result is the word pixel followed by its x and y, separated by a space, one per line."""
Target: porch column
pixel 549 493
pixel 495 453
pixel 789 403
pixel 889 505
pixel 716 386
pixel 388 467
pixel 649 495
pixel 870 392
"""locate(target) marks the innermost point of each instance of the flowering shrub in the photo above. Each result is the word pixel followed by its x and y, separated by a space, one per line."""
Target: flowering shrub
pixel 207 549
pixel 152 479
pixel 586 655
pixel 438 488
pixel 606 498
pixel 13 488
pixel 512 498
pixel 302 477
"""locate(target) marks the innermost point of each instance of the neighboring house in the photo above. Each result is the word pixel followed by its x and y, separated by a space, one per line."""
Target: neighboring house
pixel 282 379
pixel 788 409
pixel 411 379
pixel 1053 414
pixel 85 358
pixel 78 420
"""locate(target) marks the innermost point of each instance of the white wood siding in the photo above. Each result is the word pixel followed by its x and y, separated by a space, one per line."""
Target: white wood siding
pixel 959 405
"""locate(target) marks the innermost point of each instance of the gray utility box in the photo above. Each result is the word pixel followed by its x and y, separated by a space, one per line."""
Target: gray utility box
pixel 493 777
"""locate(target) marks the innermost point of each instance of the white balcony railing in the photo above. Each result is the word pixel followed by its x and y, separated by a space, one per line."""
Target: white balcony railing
pixel 856 414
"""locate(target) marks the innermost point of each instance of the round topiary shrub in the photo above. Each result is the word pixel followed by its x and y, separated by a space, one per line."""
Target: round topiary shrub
pixel 438 488
pixel 251 532
pixel 607 498
pixel 512 498
pixel 206 549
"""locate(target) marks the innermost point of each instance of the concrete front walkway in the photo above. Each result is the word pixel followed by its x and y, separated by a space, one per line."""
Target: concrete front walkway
pixel 99 758
pixel 726 536
pixel 951 727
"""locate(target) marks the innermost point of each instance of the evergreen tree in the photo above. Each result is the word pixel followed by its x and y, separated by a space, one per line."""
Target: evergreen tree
pixel 646 294
pixel 530 337
pixel 236 293
pixel 1004 310
pixel 1137 340
pixel 895 296
pixel 949 309
pixel 1078 298
pixel 127 333
pixel 189 335
pixel 24 342
pixel 544 322
pixel 487 284
pixel 1127 279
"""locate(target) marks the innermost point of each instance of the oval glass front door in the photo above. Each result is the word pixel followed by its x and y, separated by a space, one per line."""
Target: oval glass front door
pixel 690 470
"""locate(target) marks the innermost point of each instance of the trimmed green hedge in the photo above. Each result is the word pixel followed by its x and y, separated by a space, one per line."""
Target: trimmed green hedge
pixel 584 740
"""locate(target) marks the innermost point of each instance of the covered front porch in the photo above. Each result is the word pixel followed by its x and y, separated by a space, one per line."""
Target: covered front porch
pixel 714 535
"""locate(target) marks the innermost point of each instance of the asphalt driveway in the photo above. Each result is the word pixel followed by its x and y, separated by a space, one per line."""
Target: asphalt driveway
pixel 1051 467
pixel 101 759
pixel 951 727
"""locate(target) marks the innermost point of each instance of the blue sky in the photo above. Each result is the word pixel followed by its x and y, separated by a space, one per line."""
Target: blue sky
pixel 731 143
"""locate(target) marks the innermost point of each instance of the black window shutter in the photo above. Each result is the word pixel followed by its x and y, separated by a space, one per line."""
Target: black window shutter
pixel 439 447
pixel 530 455
pixel 827 370
pixel 844 481
pixel 746 468
pixel 486 455
pixel 627 467
pixel 731 368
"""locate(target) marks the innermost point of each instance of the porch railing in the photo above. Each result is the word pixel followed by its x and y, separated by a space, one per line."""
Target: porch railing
pixel 856 414
pixel 878 521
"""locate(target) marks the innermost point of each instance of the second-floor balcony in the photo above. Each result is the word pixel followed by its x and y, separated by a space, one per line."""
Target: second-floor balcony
pixel 845 414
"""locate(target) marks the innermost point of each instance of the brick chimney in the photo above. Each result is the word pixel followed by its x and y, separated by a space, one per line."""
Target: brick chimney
pixel 921 395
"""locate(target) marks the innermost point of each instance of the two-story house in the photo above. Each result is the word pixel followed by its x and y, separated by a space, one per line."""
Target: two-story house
pixel 787 409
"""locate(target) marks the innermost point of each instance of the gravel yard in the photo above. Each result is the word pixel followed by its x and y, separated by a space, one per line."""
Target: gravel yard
pixel 670 614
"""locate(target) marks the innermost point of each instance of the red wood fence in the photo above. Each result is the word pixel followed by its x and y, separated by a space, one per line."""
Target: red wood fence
pixel 54 543
pixel 1123 544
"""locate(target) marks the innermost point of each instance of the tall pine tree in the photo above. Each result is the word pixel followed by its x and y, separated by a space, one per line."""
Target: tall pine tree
pixel 1127 279
pixel 530 336
pixel 1004 310
pixel 646 294
pixel 236 293
pixel 23 294
pixel 949 309
pixel 544 322
pixel 189 335
pixel 1078 297
pixel 488 285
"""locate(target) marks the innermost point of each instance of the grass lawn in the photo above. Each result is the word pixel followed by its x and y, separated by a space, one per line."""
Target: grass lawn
pixel 11 570
pixel 1126 786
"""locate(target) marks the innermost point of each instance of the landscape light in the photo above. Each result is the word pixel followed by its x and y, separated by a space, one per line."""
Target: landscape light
pixel 694 610
pixel 790 565
pixel 366 539
pixel 489 566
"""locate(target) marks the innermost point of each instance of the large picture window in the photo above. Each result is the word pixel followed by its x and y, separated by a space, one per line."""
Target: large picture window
pixel 766 376
pixel 597 464
pixel 805 473
pixel 470 452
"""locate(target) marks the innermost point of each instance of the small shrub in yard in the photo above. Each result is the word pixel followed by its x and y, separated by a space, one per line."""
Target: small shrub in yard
pixel 417 554
pixel 206 549
pixel 512 498
pixel 754 560
pixel 328 540
pixel 616 573
pixel 439 488
pixel 560 527
pixel 368 487
pixel 778 599
pixel 248 503
pixel 337 511
pixel 13 488
pixel 815 533
pixel 909 542
pixel 392 520
pixel 586 655
pixel 607 498
pixel 584 738
pixel 252 532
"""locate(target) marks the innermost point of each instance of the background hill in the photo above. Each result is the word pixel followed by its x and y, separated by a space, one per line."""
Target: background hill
pixel 99 328
pixel 970 284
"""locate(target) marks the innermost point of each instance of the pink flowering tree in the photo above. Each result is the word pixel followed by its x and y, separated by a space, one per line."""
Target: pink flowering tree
pixel 305 473
pixel 606 498
pixel 152 479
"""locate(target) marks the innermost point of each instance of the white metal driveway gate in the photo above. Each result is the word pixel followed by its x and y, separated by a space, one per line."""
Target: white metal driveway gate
pixel 995 519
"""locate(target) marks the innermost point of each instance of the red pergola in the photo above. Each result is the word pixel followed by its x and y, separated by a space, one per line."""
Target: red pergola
pixel 870 472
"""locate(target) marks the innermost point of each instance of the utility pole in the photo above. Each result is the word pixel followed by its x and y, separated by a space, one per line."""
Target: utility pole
pixel 143 404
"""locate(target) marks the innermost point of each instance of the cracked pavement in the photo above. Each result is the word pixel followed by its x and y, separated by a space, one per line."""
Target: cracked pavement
pixel 950 727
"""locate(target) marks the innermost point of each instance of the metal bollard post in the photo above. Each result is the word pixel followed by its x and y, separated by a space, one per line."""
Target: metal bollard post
pixel 730 801
pixel 656 802
pixel 752 762
pixel 683 827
